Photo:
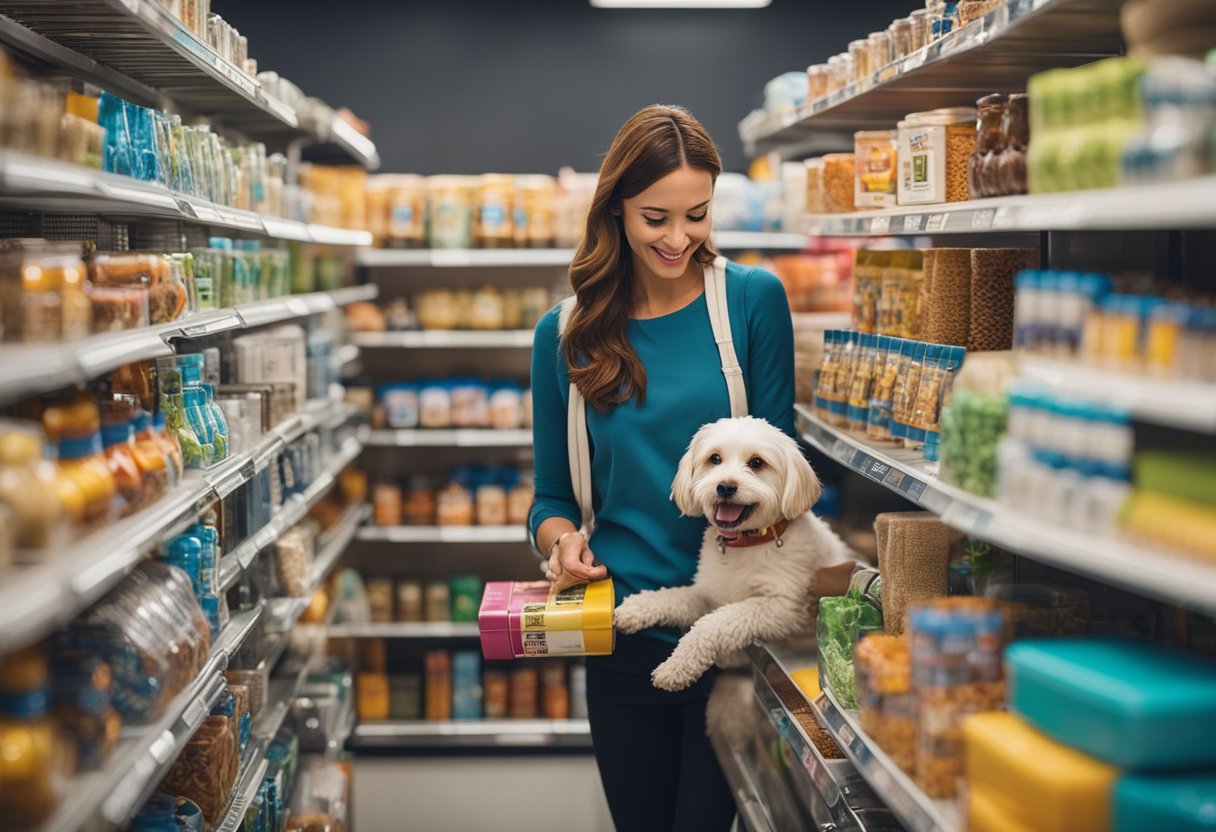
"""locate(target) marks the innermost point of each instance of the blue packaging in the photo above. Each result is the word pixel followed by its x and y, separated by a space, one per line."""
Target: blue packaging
pixel 466 684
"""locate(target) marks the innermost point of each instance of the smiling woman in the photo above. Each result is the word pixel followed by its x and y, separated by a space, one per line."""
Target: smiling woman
pixel 640 348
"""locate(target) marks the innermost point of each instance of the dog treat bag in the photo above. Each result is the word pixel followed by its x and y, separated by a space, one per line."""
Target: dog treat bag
pixel 526 619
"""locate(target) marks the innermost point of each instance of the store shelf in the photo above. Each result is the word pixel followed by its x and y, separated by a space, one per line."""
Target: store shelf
pixel 1154 574
pixel 458 438
pixel 1166 205
pixel 490 733
pixel 248 781
pixel 109 797
pixel 917 811
pixel 405 629
pixel 762 240
pixel 49 185
pixel 339 143
pixel 35 368
pixel 443 534
pixel 291 513
pixel 445 339
pixel 466 258
pixel 1190 405
pixel 998 52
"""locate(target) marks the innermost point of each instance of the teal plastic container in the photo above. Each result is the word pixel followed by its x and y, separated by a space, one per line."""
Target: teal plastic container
pixel 1139 706
pixel 1179 803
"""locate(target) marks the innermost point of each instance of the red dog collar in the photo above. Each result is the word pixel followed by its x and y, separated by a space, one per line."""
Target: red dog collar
pixel 755 537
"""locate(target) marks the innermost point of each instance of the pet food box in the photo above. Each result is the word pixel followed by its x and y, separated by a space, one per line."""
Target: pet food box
pixel 526 619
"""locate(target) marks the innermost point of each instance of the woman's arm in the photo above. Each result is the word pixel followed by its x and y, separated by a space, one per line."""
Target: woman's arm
pixel 770 358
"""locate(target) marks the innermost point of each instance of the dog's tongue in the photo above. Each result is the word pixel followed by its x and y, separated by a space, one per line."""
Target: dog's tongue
pixel 728 513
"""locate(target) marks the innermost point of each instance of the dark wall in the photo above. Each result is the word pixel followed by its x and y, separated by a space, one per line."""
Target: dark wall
pixel 516 86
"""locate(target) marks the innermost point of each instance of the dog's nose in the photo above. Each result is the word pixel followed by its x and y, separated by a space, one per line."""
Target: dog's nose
pixel 727 489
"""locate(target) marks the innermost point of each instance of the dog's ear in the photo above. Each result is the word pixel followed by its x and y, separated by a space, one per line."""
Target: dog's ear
pixel 802 487
pixel 681 486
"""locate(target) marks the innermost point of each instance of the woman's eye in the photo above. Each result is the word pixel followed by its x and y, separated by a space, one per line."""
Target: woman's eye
pixel 653 220
pixel 700 218
pixel 714 459
pixel 755 463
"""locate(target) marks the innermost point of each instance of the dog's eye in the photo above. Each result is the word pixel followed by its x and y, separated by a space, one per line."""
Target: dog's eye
pixel 714 459
pixel 755 463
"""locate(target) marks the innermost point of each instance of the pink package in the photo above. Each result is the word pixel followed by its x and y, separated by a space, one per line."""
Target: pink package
pixel 527 619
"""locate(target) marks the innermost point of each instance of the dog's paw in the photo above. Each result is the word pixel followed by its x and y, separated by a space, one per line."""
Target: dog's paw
pixel 629 617
pixel 674 675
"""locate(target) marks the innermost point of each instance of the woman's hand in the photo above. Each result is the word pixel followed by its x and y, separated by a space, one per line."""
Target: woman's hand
pixel 571 562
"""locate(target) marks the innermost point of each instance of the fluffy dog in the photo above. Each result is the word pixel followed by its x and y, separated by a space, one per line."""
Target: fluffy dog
pixel 759 556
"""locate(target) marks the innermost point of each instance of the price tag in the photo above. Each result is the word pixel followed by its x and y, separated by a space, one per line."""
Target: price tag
pixel 195 713
pixel 982 220
pixel 206 213
pixel 846 734
pixel 880 225
pixel 916 222
pixel 878 470
pixel 1005 217
pixel 936 222
pixel 859 461
pixel 898 224
pixel 186 208
pixel 915 488
pixel 893 478
pixel 842 450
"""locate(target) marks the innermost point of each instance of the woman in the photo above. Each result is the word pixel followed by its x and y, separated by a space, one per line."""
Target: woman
pixel 640 349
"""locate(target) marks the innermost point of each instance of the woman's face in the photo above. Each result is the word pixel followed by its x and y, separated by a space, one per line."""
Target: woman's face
pixel 666 223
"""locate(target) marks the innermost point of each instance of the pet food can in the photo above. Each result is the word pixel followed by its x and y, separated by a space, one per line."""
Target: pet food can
pixel 525 619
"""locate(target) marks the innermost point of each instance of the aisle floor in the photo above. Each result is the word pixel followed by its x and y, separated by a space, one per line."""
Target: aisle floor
pixel 470 794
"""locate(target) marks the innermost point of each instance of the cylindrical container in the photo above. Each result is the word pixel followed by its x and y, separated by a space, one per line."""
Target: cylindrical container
pixel 816 82
pixel 948 305
pixel 900 32
pixel 922 28
pixel 914 560
pixel 956 646
pixel 860 70
pixel 386 504
pixel 816 197
pixel 494 220
pixel 839 171
pixel 535 211
pixel 982 165
pixel 992 294
pixel 878 46
pixel 405 206
pixel 1011 167
pixel 876 155
pixel 451 211
pixel 883 665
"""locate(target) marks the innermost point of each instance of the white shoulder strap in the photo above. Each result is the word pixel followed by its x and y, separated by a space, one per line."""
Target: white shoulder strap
pixel 578 444
pixel 719 320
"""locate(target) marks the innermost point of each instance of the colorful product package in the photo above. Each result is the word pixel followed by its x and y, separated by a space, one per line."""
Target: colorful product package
pixel 529 619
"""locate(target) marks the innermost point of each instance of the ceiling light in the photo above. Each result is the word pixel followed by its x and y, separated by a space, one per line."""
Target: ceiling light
pixel 680 4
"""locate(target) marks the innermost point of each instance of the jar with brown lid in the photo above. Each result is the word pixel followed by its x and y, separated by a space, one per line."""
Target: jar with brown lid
pixel 989 143
pixel 1011 167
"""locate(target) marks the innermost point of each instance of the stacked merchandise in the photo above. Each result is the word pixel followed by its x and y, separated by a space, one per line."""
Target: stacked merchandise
pixel 472 495
pixel 487 309
pixel 498 404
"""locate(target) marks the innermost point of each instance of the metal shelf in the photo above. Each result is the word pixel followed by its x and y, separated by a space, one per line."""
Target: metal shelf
pixel 1166 205
pixel 35 368
pixel 292 512
pixel 1190 405
pixel 443 534
pixel 138 48
pixel 762 240
pixel 457 438
pixel 998 52
pixel 497 733
pixel 445 339
pixel 917 811
pixel 110 796
pixel 458 258
pixel 405 629
pixel 1145 571
pixel 836 782
pixel 33 182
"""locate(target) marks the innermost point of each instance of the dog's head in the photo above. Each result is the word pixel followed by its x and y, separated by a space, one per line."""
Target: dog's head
pixel 744 474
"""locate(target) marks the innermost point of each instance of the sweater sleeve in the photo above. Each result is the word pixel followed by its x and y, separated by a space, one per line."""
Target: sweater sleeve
pixel 554 495
pixel 770 363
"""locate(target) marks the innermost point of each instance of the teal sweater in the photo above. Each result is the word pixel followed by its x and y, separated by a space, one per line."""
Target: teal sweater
pixel 639 533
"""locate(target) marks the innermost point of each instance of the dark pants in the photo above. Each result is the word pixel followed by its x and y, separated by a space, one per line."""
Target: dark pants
pixel 657 766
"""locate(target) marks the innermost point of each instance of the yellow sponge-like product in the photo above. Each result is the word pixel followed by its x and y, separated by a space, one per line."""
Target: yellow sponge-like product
pixel 1029 777
pixel 984 815
pixel 1178 524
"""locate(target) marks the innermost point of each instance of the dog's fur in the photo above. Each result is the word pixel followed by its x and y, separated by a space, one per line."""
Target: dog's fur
pixel 739 596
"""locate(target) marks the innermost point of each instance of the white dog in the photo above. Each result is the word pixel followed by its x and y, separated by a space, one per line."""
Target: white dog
pixel 759 556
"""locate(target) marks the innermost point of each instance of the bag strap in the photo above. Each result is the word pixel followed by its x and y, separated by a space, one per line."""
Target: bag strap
pixel 578 444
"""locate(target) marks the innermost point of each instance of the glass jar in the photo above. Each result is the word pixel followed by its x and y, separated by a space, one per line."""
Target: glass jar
pixel 900 34
pixel 982 165
pixel 816 82
pixel 31 758
pixel 879 50
pixel 491 505
pixel 419 506
pixel 839 72
pixel 816 198
pixel 535 211
pixel 451 211
pixel 386 504
pixel 487 309
pixel 860 69
pixel 519 500
pixel 1011 166
pixel 839 171
pixel 454 505
pixel 922 28
pixel 27 484
pixel 494 221
pixel 118 443
pixel 405 225
pixel 887 707
pixel 969 10
pixel 77 429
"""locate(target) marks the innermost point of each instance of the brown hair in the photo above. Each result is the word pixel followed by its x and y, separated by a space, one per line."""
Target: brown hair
pixel 654 142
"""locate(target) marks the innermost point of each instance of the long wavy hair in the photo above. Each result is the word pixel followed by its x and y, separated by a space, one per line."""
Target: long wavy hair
pixel 651 144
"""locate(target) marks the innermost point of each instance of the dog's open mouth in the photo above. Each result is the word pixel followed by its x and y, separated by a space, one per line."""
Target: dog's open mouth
pixel 729 516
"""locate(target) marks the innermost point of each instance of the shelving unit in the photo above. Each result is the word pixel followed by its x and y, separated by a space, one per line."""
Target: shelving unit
pixel 36 368
pixel 1166 205
pixel 443 534
pixel 1161 575
pixel 50 184
pixel 109 797
pixel 405 630
pixel 445 340
pixel 457 438
pixel 477 734
pixel 998 52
